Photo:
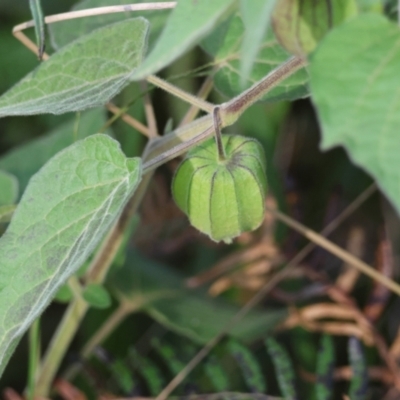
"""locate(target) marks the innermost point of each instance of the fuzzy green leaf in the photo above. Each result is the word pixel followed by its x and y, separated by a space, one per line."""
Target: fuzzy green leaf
pixel 228 60
pixel 87 73
pixel 354 84
pixel 67 208
pixel 188 23
pixel 19 161
pixel 8 189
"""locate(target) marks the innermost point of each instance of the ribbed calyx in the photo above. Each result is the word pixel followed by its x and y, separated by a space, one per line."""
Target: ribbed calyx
pixel 223 198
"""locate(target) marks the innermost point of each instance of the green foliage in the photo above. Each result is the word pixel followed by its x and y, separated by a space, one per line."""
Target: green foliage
pixel 188 23
pixel 358 363
pixel 159 291
pixel 97 296
pixel 325 367
pixel 64 294
pixel 361 90
pixel 256 18
pixel 249 366
pixel 20 162
pixel 283 368
pixel 216 374
pixel 69 82
pixel 169 355
pixel 148 370
pixel 123 376
pixel 225 44
pixel 63 214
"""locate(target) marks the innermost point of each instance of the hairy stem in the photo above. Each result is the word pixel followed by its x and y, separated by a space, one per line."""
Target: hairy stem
pixel 34 357
pixel 217 134
pixel 60 342
pixel 233 109
pixel 182 139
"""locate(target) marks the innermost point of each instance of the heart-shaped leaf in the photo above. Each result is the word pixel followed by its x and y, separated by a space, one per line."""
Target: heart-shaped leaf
pixel 354 83
pixel 65 211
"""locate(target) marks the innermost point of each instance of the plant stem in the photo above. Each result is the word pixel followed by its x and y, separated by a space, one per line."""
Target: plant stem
pixel 181 94
pixel 202 94
pixel 97 11
pixel 338 252
pixel 121 113
pixel 182 139
pixel 61 341
pixel 149 110
pixel 34 357
pixel 217 134
pixel 233 109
